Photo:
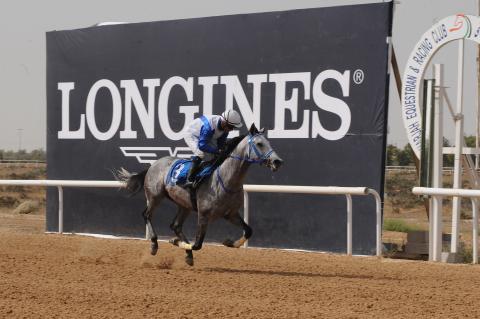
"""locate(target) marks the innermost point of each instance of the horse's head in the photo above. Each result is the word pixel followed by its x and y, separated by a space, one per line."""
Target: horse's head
pixel 260 151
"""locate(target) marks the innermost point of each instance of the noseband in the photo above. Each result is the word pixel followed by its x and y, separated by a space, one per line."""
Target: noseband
pixel 261 158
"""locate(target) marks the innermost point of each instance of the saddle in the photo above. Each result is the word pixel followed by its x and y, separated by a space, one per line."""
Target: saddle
pixel 178 172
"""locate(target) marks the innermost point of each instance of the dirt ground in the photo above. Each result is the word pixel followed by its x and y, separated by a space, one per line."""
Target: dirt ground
pixel 53 276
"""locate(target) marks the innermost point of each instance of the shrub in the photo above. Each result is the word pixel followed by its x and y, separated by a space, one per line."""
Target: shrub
pixel 26 207
pixel 36 173
pixel 399 190
pixel 465 254
pixel 398 225
pixel 8 201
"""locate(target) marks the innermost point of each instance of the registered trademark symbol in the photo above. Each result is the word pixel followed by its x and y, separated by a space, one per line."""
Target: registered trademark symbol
pixel 358 76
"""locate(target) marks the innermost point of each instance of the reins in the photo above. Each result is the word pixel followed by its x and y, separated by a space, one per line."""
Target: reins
pixel 261 158
pixel 222 184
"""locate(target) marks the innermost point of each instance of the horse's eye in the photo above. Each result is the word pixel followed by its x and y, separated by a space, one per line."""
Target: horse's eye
pixel 260 144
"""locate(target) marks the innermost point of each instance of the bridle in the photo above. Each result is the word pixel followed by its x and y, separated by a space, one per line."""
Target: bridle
pixel 261 158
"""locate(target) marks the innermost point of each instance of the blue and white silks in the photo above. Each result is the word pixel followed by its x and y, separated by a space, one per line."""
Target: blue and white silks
pixel 204 136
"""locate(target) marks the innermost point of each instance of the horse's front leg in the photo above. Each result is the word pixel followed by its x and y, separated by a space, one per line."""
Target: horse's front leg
pixel 201 231
pixel 237 220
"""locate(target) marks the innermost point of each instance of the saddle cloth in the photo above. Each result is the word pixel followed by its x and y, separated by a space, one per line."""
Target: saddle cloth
pixel 178 172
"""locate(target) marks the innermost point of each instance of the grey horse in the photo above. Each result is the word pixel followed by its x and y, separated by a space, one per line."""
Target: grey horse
pixel 219 195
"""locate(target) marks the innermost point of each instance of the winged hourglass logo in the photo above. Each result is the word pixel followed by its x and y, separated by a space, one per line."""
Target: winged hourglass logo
pixel 151 154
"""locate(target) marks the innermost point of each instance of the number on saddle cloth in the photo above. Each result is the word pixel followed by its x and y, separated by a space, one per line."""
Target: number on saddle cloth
pixel 178 172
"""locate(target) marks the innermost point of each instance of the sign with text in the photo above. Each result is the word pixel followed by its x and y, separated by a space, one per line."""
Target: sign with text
pixel 315 79
pixel 456 27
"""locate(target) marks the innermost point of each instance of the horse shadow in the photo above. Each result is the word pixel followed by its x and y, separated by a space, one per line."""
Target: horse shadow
pixel 292 273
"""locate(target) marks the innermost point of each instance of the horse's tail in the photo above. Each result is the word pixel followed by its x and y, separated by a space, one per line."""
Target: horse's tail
pixel 134 181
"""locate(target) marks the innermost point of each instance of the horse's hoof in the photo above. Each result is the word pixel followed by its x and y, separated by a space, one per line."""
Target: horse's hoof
pixel 196 247
pixel 228 243
pixel 189 260
pixel 174 241
pixel 154 249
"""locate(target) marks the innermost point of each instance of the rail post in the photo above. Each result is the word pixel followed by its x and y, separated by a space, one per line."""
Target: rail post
pixel 60 209
pixel 378 213
pixel 349 224
pixel 474 230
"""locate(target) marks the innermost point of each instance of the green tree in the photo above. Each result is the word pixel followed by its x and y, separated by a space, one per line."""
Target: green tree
pixel 38 155
pixel 405 156
pixel 470 140
pixel 392 154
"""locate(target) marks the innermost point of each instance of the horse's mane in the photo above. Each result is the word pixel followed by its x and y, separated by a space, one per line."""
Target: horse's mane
pixel 230 146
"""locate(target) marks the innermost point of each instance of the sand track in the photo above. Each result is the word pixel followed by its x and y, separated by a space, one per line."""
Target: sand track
pixel 52 276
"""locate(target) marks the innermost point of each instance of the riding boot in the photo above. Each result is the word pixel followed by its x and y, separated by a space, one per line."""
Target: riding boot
pixel 193 171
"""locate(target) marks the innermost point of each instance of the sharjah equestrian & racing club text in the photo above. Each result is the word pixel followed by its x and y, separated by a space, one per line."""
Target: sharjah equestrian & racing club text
pixel 127 98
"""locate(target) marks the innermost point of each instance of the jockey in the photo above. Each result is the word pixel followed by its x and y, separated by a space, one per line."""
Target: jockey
pixel 206 136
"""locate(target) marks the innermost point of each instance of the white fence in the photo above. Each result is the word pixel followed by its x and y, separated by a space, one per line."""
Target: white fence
pixel 60 184
pixel 446 170
pixel 319 190
pixel 435 226
pixel 325 190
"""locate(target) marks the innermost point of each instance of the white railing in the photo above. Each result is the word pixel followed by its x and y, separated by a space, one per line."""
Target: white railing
pixel 322 190
pixel 325 190
pixel 435 225
pixel 392 168
pixel 60 184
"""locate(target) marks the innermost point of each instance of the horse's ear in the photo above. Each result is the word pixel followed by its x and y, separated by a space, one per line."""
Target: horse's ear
pixel 262 130
pixel 253 130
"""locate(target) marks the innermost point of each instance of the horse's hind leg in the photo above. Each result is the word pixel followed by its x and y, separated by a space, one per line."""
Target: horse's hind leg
pixel 176 226
pixel 237 220
pixel 151 234
pixel 178 221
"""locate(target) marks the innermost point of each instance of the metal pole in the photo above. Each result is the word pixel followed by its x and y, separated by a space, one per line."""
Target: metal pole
pixel 437 162
pixel 431 228
pixel 19 131
pixel 378 210
pixel 60 210
pixel 437 233
pixel 457 178
pixel 474 201
pixel 474 231
pixel 246 216
pixel 477 144
pixel 349 224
